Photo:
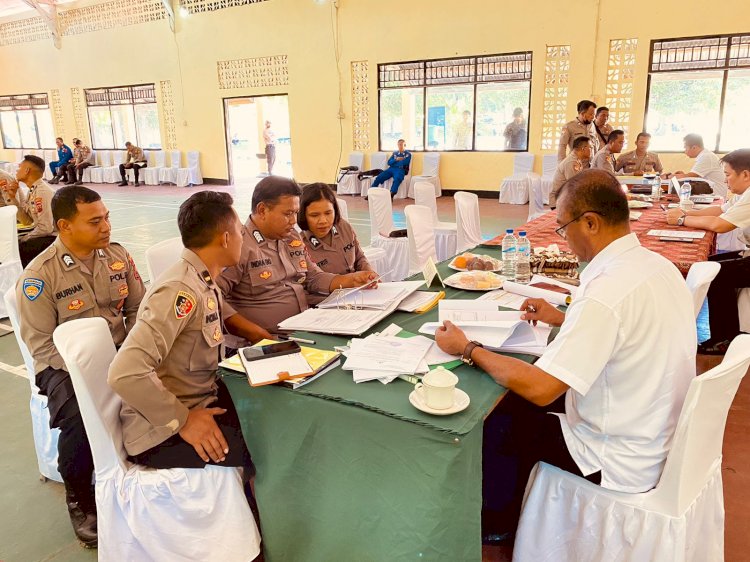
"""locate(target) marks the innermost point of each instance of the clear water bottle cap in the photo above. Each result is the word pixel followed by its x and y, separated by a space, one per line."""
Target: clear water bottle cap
pixel 522 233
pixel 509 231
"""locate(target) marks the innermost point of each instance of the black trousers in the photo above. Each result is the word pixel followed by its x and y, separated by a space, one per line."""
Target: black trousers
pixel 723 314
pixel 270 157
pixel 136 167
pixel 175 452
pixel 29 249
pixel 75 171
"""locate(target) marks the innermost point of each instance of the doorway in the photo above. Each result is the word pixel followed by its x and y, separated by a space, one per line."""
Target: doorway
pixel 244 123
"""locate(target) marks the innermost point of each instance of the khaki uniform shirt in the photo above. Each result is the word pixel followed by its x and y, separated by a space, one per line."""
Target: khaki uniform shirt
pixel 36 209
pixel 82 154
pixel 5 199
pixel 564 171
pixel 56 288
pixel 572 131
pixel 135 154
pixel 602 133
pixel 269 284
pixel 630 162
pixel 167 365
pixel 604 160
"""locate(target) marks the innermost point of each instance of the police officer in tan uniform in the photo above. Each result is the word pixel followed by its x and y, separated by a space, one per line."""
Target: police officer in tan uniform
pixel 602 128
pixel 81 275
pixel 580 126
pixel 8 185
pixel 575 162
pixel 176 412
pixel 639 161
pixel 605 159
pixel 275 273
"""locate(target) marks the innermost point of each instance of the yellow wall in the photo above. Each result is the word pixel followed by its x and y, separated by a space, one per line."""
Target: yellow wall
pixel 373 30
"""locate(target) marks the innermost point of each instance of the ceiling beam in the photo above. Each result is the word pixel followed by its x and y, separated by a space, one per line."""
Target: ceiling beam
pixel 49 17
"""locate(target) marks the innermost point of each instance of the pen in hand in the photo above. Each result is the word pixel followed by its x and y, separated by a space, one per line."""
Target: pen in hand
pixel 663 208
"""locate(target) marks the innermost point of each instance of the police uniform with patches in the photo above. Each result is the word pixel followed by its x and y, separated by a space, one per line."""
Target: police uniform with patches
pixel 343 255
pixel 564 171
pixel 55 288
pixel 630 163
pixel 167 366
pixel 571 131
pixel 272 279
pixel 36 209
pixel 605 160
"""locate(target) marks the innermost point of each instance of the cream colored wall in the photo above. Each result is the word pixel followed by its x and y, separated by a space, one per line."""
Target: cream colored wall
pixel 374 30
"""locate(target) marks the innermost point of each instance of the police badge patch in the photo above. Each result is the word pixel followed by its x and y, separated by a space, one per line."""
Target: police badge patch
pixel 76 304
pixel 32 288
pixel 117 266
pixel 184 303
pixel 295 243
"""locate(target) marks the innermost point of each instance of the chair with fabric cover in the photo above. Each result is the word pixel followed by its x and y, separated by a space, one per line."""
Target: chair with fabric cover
pixel 515 189
pixel 343 208
pixel 743 304
pixel 377 257
pixel 569 519
pixel 549 165
pixel 87 171
pixel 468 222
pixel 151 174
pixel 145 513
pixel 111 174
pixel 349 184
pixel 445 232
pixel 45 438
pixel 161 256
pixel 536 203
pixel 430 173
pixel 192 174
pixel 378 160
pixel 10 258
pixel 421 236
pixel 381 225
pixel 130 174
pixel 48 156
pixel 104 161
pixel 699 279
pixel 169 175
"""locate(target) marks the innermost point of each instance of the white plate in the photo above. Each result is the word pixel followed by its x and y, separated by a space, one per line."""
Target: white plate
pixel 498 263
pixel 454 281
pixel 639 204
pixel 461 401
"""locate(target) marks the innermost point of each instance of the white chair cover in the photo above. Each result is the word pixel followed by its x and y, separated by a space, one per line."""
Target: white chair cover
pixel 349 184
pixel 130 174
pixel 421 236
pixel 515 190
pixel 377 258
pixel 549 165
pixel 96 173
pixel 381 224
pixel 161 256
pixel 87 171
pixel 192 174
pixel 343 208
pixel 10 259
pixel 699 279
pixel 111 174
pixel 151 174
pixel 48 156
pixel 566 518
pixel 468 222
pixel 45 439
pixel 378 160
pixel 169 175
pixel 536 202
pixel 430 174
pixel 743 304
pixel 445 232
pixel 142 513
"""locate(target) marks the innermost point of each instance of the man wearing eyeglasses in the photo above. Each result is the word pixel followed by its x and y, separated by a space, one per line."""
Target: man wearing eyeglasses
pixel 614 385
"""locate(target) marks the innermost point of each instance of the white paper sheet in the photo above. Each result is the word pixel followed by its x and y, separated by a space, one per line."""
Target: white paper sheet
pixel 389 353
pixel 504 298
pixel 536 292
pixel 697 235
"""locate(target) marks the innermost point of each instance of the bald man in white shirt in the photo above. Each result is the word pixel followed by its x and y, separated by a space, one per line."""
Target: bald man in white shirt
pixel 706 166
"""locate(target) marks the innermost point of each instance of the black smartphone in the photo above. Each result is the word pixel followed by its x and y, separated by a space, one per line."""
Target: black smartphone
pixel 270 350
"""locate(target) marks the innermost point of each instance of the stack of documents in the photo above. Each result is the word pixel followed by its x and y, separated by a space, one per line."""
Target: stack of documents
pixel 421 301
pixel 540 287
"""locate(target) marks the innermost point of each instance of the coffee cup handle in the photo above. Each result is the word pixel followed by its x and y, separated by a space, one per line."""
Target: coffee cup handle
pixel 418 388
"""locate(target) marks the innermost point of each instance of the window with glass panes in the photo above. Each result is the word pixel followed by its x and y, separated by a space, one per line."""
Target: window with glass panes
pixel 123 114
pixel 699 85
pixel 26 121
pixel 459 104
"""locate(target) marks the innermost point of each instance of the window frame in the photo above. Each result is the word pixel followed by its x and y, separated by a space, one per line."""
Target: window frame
pixel 474 81
pixel 725 68
pixel 30 106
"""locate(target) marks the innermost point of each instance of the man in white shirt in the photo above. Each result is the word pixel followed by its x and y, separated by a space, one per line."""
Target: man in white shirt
pixel 623 359
pixel 269 138
pixel 706 165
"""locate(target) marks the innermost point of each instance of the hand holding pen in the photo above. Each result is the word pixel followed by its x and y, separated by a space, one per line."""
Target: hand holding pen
pixel 539 310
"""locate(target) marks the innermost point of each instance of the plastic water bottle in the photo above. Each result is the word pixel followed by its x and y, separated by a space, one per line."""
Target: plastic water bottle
pixel 656 188
pixel 509 255
pixel 523 258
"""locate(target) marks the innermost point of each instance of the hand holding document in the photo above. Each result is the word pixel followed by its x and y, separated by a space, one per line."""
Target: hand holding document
pixel 551 290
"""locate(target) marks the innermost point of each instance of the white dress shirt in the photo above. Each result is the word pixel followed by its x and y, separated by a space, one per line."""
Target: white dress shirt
pixel 627 350
pixel 737 212
pixel 708 167
pixel 269 137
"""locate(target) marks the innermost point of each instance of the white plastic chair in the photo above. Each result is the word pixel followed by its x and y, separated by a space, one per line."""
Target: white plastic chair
pixel 699 279
pixel 536 202
pixel 169 175
pixel 162 256
pixel 468 222
pixel 381 224
pixel 143 513
pixel 10 258
pixel 104 158
pixel 45 439
pixel 430 173
pixel 151 174
pixel 445 232
pixel 569 519
pixel 421 236
pixel 349 184
pixel 343 208
pixel 514 189
pixel 549 165
pixel 111 174
pixel 192 174
pixel 378 160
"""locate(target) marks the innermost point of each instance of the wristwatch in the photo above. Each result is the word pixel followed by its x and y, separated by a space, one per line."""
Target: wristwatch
pixel 681 220
pixel 466 355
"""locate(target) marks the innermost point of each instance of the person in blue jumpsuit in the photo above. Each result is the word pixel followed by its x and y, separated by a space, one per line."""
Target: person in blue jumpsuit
pixel 398 167
pixel 64 154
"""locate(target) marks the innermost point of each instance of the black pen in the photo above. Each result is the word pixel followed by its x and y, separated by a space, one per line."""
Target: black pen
pixel 663 208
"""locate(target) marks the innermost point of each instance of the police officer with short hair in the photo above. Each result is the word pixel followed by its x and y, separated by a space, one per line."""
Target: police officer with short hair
pixel 639 161
pixel 81 275
pixel 605 159
pixel 582 125
pixel 575 162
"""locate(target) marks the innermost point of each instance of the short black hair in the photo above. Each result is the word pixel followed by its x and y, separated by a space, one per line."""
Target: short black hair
pixel 315 192
pixel 66 199
pixel 584 105
pixel 59 139
pixel 739 159
pixel 35 161
pixel 517 112
pixel 203 215
pixel 602 108
pixel 76 141
pixel 578 142
pixel 597 191
pixel 692 139
pixel 614 135
pixel 642 134
pixel 271 188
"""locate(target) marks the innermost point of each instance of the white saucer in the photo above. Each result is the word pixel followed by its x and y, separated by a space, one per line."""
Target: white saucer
pixel 460 403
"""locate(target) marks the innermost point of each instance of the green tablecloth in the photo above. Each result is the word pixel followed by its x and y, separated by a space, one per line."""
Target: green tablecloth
pixel 354 472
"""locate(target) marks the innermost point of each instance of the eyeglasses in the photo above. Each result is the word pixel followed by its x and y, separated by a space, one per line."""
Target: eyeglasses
pixel 561 230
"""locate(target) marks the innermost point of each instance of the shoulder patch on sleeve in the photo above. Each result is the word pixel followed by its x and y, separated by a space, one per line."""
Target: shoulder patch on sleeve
pixel 32 288
pixel 184 303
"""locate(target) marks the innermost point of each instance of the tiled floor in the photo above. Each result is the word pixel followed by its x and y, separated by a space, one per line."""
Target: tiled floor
pixel 33 521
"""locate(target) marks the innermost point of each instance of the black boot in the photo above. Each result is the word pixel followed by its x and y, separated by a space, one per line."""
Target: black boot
pixel 82 511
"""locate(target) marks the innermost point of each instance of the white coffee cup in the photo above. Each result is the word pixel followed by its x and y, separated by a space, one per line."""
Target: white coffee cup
pixel 436 389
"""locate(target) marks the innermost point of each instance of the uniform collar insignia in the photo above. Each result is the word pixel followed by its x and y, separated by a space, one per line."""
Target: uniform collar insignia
pixel 206 276
pixel 314 241
pixel 68 260
pixel 258 236
pixel 101 253
pixel 334 230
